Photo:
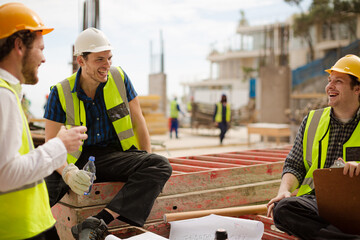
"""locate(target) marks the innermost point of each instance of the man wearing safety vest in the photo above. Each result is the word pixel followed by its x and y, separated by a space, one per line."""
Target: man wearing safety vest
pixel 222 116
pixel 102 98
pixel 24 202
pixel 332 131
pixel 174 114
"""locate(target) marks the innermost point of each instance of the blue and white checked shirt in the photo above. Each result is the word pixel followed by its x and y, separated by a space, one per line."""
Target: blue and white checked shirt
pixel 100 130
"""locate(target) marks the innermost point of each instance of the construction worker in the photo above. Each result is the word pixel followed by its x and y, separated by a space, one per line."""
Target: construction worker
pixel 333 131
pixel 174 114
pixel 222 116
pixel 102 98
pixel 24 201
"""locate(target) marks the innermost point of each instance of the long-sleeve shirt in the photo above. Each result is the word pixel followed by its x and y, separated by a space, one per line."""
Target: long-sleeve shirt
pixel 339 134
pixel 17 170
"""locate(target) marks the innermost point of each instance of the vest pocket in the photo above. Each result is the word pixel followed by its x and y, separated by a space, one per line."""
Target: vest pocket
pixel 118 112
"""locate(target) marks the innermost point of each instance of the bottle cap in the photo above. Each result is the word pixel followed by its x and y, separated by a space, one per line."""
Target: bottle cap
pixel 221 234
pixel 92 158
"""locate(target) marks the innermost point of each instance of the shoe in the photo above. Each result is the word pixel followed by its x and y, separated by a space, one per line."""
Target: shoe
pixel 90 229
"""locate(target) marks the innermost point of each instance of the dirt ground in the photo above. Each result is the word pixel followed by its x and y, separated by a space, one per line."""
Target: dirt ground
pixel 193 142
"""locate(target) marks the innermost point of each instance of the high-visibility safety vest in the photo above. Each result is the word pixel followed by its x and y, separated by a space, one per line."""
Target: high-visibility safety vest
pixel 174 112
pixel 116 103
pixel 25 212
pixel 218 116
pixel 315 145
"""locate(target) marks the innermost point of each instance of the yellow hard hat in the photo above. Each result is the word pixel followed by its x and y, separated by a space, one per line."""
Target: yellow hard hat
pixel 15 17
pixel 350 64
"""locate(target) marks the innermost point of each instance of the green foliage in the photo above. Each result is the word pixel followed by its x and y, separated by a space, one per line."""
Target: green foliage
pixel 327 13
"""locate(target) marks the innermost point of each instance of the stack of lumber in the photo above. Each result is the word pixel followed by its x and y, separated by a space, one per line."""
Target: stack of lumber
pixel 156 121
pixel 202 115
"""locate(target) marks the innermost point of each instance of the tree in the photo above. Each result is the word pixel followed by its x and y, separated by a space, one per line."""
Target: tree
pixel 326 13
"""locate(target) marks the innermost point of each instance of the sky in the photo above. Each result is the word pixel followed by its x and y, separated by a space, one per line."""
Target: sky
pixel 188 28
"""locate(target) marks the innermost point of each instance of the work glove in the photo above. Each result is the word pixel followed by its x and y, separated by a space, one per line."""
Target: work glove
pixel 78 180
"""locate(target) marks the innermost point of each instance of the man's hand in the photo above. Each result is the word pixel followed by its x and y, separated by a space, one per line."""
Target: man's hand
pixel 73 137
pixel 352 168
pixel 270 204
pixel 78 180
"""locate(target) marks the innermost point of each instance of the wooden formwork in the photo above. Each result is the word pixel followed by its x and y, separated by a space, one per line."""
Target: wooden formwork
pixel 198 182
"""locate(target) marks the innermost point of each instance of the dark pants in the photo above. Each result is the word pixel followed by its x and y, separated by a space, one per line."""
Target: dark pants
pixel 144 175
pixel 299 216
pixel 223 129
pixel 50 234
pixel 174 127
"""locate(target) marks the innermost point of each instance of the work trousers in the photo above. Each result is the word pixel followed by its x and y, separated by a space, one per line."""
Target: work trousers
pixel 174 127
pixel 299 216
pixel 50 234
pixel 144 175
pixel 223 129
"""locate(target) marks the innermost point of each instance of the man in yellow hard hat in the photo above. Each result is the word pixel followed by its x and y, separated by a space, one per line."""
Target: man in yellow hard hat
pixel 102 98
pixel 24 203
pixel 333 131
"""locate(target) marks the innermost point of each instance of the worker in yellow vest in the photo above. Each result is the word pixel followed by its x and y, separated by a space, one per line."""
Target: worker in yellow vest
pixel 102 98
pixel 222 116
pixel 24 202
pixel 174 114
pixel 334 132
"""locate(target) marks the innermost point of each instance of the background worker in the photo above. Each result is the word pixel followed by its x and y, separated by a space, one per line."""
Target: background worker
pixel 103 99
pixel 24 201
pixel 222 116
pixel 337 129
pixel 174 114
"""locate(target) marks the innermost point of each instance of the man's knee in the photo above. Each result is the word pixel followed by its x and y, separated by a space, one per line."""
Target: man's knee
pixel 165 166
pixel 282 208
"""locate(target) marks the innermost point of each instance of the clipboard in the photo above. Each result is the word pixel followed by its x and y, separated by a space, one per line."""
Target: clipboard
pixel 338 198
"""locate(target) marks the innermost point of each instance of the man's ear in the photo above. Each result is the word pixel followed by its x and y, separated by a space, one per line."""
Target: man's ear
pixel 80 60
pixel 19 46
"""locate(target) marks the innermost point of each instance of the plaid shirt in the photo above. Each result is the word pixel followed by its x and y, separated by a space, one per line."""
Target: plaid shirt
pixel 339 134
pixel 100 130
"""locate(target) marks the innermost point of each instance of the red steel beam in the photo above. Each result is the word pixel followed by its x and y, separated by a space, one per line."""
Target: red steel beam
pixel 281 151
pixel 266 154
pixel 208 164
pixel 224 159
pixel 250 157
pixel 188 168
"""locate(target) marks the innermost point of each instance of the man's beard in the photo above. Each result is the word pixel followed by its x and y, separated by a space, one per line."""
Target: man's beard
pixel 28 70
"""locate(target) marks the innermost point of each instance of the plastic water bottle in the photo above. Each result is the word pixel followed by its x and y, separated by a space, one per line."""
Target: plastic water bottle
pixel 221 234
pixel 90 167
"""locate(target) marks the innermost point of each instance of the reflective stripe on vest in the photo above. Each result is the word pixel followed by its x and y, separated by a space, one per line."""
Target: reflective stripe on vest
pixel 315 145
pixel 25 211
pixel 174 112
pixel 116 104
pixel 218 116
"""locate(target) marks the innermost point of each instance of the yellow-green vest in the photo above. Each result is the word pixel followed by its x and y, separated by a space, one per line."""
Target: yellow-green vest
pixel 25 212
pixel 218 116
pixel 174 112
pixel 116 104
pixel 315 145
pixel 189 106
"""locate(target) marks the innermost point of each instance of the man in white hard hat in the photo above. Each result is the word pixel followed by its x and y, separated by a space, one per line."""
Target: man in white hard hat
pixel 336 129
pixel 102 98
pixel 24 202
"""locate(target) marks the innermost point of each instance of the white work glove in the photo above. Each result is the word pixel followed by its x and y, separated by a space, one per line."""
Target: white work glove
pixel 78 180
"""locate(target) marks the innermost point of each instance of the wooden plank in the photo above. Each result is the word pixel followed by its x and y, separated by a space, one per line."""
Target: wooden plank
pixel 67 216
pixel 102 193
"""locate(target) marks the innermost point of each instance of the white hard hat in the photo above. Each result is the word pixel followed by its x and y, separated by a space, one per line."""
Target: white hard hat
pixel 91 40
